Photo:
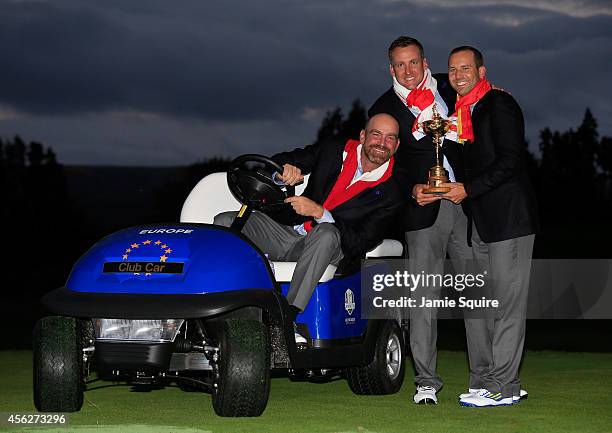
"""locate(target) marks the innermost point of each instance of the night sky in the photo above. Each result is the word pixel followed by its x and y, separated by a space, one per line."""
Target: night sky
pixel 171 82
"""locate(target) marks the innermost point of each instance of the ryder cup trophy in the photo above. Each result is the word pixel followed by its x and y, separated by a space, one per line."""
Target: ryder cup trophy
pixel 436 127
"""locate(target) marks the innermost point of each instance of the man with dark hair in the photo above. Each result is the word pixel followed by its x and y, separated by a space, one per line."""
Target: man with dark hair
pixel 478 57
pixel 349 204
pixel 403 42
pixel 433 224
pixel 502 205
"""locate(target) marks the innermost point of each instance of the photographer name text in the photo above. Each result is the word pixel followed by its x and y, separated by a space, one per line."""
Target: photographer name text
pixel 424 302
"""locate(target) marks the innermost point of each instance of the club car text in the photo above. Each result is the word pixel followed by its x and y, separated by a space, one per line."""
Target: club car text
pixel 147 267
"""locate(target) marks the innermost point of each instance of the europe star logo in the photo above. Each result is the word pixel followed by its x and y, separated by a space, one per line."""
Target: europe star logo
pixel 147 245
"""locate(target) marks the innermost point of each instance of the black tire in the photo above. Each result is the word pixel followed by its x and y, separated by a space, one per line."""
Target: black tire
pixel 58 365
pixel 243 376
pixel 385 374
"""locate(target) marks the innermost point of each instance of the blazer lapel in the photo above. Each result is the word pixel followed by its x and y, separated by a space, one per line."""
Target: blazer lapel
pixel 448 94
pixel 478 108
pixel 332 177
pixel 402 110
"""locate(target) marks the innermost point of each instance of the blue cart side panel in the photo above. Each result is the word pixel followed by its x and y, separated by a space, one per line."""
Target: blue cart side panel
pixel 334 310
pixel 214 260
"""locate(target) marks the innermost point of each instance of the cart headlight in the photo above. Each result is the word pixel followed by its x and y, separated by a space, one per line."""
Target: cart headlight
pixel 138 330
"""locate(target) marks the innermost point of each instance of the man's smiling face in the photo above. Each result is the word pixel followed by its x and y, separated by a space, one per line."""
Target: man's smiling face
pixel 407 66
pixel 463 73
pixel 380 141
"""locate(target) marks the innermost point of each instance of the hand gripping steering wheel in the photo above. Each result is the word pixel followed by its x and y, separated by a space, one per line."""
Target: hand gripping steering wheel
pixel 249 178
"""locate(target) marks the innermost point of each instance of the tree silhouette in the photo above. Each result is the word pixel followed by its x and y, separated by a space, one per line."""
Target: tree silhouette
pixel 355 121
pixel 330 125
pixel 35 154
pixel 604 163
pixel 532 165
pixel 335 126
pixel 43 233
pixel 569 168
pixel 15 153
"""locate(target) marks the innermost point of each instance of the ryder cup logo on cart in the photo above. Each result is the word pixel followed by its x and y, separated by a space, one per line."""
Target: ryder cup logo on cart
pixel 349 301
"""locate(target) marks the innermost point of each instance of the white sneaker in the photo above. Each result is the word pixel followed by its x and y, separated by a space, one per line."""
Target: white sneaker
pixel 484 398
pixel 523 396
pixel 470 392
pixel 515 398
pixel 425 395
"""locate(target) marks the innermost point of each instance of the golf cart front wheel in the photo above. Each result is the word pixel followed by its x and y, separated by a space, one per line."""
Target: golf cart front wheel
pixel 385 374
pixel 58 365
pixel 242 382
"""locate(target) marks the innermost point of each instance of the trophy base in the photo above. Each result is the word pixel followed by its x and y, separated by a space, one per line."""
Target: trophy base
pixel 437 176
pixel 436 190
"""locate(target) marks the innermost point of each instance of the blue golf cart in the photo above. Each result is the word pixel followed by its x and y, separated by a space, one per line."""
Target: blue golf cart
pixel 201 306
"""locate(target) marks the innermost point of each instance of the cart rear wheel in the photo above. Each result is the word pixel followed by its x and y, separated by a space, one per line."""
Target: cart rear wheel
pixel 385 374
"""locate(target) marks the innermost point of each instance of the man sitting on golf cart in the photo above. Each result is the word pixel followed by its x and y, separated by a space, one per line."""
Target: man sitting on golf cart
pixel 349 204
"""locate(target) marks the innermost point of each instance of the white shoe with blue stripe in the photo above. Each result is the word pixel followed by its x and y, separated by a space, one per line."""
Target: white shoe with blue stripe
pixel 484 398
pixel 515 398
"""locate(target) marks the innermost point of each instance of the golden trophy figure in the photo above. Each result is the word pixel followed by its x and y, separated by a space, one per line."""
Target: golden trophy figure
pixel 436 127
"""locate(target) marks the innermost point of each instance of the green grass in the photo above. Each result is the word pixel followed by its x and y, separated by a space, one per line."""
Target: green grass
pixel 552 379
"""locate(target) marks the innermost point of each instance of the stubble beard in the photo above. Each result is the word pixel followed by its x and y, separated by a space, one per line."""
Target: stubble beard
pixel 376 158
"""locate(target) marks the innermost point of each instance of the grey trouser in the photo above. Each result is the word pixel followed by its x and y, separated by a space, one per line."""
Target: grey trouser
pixel 427 250
pixel 495 343
pixel 313 252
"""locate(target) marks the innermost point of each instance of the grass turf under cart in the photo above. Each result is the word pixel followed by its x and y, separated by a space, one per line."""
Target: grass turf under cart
pixel 569 392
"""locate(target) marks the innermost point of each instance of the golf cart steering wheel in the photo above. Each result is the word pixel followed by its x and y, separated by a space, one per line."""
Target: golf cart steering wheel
pixel 249 178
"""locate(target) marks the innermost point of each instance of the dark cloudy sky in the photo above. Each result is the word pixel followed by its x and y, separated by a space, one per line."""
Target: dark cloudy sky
pixel 165 82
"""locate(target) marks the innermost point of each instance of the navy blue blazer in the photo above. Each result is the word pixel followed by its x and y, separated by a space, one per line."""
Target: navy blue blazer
pixel 501 199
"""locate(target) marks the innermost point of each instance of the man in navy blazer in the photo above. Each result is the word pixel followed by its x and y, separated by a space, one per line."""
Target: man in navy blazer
pixel 434 225
pixel 502 204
